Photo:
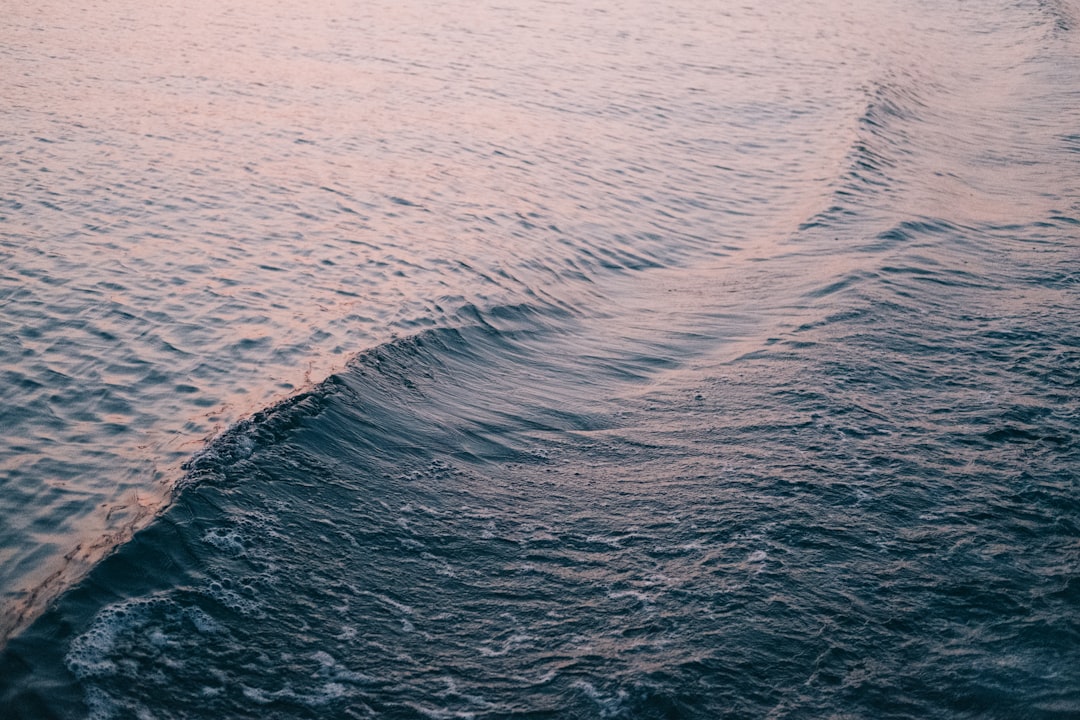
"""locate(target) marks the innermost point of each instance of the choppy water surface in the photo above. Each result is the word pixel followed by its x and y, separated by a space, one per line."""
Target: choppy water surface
pixel 691 360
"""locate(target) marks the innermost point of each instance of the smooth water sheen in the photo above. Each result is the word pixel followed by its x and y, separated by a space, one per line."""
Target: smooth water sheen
pixel 693 360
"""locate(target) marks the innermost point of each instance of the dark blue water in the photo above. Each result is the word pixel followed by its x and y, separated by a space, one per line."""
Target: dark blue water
pixel 741 382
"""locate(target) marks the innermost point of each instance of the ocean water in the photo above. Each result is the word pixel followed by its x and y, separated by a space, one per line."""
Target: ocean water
pixel 543 360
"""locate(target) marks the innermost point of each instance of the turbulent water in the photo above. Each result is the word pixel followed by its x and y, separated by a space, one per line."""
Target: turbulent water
pixel 542 360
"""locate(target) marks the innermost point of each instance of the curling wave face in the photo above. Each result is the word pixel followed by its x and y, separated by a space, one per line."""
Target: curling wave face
pixel 738 381
pixel 250 194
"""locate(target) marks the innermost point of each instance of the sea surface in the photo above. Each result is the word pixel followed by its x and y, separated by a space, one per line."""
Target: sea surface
pixel 411 359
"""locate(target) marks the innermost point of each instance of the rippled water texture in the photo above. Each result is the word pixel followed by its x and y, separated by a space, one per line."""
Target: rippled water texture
pixel 205 207
pixel 684 360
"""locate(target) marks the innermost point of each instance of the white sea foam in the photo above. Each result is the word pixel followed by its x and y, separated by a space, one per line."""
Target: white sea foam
pixel 99 652
pixel 247 604
pixel 608 704
pixel 92 653
pixel 228 540
pixel 331 669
